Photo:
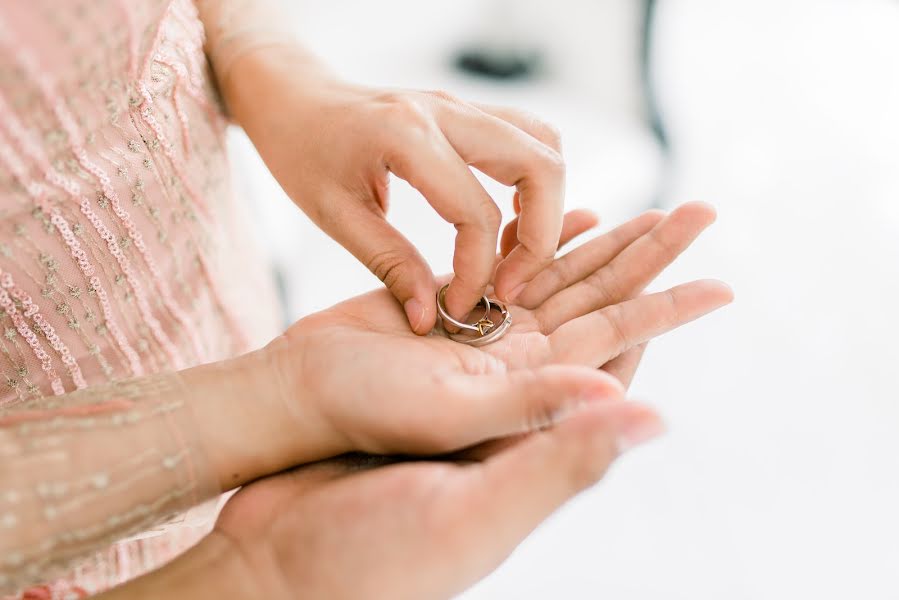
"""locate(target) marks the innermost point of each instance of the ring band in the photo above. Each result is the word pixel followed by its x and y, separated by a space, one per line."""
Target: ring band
pixel 487 330
pixel 444 314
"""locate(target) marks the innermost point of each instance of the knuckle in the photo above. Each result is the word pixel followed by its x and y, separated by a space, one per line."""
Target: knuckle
pixel 607 285
pixel 488 217
pixel 549 134
pixel 613 316
pixel 404 109
pixel 443 96
pixel 558 276
pixel 542 250
pixel 389 266
pixel 550 163
pixel 493 216
pixel 663 245
pixel 562 273
pixel 674 306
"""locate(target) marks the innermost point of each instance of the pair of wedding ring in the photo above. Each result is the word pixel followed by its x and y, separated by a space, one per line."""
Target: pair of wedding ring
pixel 487 329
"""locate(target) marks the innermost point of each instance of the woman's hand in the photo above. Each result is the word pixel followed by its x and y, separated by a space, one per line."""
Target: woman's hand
pixel 348 528
pixel 332 146
pixel 357 379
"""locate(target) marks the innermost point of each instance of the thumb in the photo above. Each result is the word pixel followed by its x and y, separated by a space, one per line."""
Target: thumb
pixel 483 407
pixel 507 496
pixel 395 261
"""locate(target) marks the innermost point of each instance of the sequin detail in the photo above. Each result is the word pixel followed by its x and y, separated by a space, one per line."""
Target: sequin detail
pixel 122 254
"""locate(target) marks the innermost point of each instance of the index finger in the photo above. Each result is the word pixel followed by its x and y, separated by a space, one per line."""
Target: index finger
pixel 539 227
pixel 439 173
pixel 513 157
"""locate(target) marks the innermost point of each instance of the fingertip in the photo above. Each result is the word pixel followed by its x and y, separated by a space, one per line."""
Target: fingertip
pixel 639 425
pixel 503 282
pixel 656 214
pixel 460 299
pixel 700 210
pixel 589 218
pixel 509 237
pixel 720 290
pixel 589 441
pixel 604 386
pixel 623 425
pixel 591 384
pixel 576 223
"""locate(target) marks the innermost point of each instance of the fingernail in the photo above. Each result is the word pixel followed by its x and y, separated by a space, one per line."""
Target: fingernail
pixel 513 295
pixel 639 431
pixel 415 312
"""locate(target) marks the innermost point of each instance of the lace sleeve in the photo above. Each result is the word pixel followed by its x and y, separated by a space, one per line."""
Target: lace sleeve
pixel 82 470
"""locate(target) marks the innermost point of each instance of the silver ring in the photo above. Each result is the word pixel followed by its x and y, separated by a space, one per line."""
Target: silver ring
pixel 441 308
pixel 487 330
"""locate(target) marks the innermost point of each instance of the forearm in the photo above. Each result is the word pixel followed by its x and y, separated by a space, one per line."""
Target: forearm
pixel 83 470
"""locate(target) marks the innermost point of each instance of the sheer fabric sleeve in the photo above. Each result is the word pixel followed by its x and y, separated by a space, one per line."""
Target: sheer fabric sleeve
pixel 236 27
pixel 82 470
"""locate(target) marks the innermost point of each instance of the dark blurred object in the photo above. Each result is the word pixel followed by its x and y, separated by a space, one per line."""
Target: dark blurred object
pixel 495 64
pixel 652 109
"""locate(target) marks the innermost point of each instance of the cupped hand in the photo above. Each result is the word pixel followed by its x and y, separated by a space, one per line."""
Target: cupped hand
pixel 332 146
pixel 369 384
pixel 360 527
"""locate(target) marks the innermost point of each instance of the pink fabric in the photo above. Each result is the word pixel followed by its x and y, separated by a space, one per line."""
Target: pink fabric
pixel 122 252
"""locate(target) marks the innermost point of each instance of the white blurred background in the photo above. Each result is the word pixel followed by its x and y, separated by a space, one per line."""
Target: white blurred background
pixel 779 478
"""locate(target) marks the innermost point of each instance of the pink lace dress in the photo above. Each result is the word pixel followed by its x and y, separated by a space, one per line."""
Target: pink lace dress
pixel 122 251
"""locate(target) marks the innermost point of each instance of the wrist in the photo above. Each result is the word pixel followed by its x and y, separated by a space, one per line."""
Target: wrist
pixel 255 417
pixel 237 29
pixel 269 72
pixel 212 569
pixel 309 431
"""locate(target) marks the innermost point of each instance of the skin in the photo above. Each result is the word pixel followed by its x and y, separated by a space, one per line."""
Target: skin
pixel 529 421
pixel 586 312
pixel 367 528
pixel 333 145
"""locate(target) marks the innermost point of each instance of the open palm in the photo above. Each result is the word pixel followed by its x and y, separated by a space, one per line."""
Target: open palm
pixel 382 389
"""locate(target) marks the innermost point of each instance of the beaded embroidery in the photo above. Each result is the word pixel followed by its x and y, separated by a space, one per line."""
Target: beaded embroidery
pixel 120 256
